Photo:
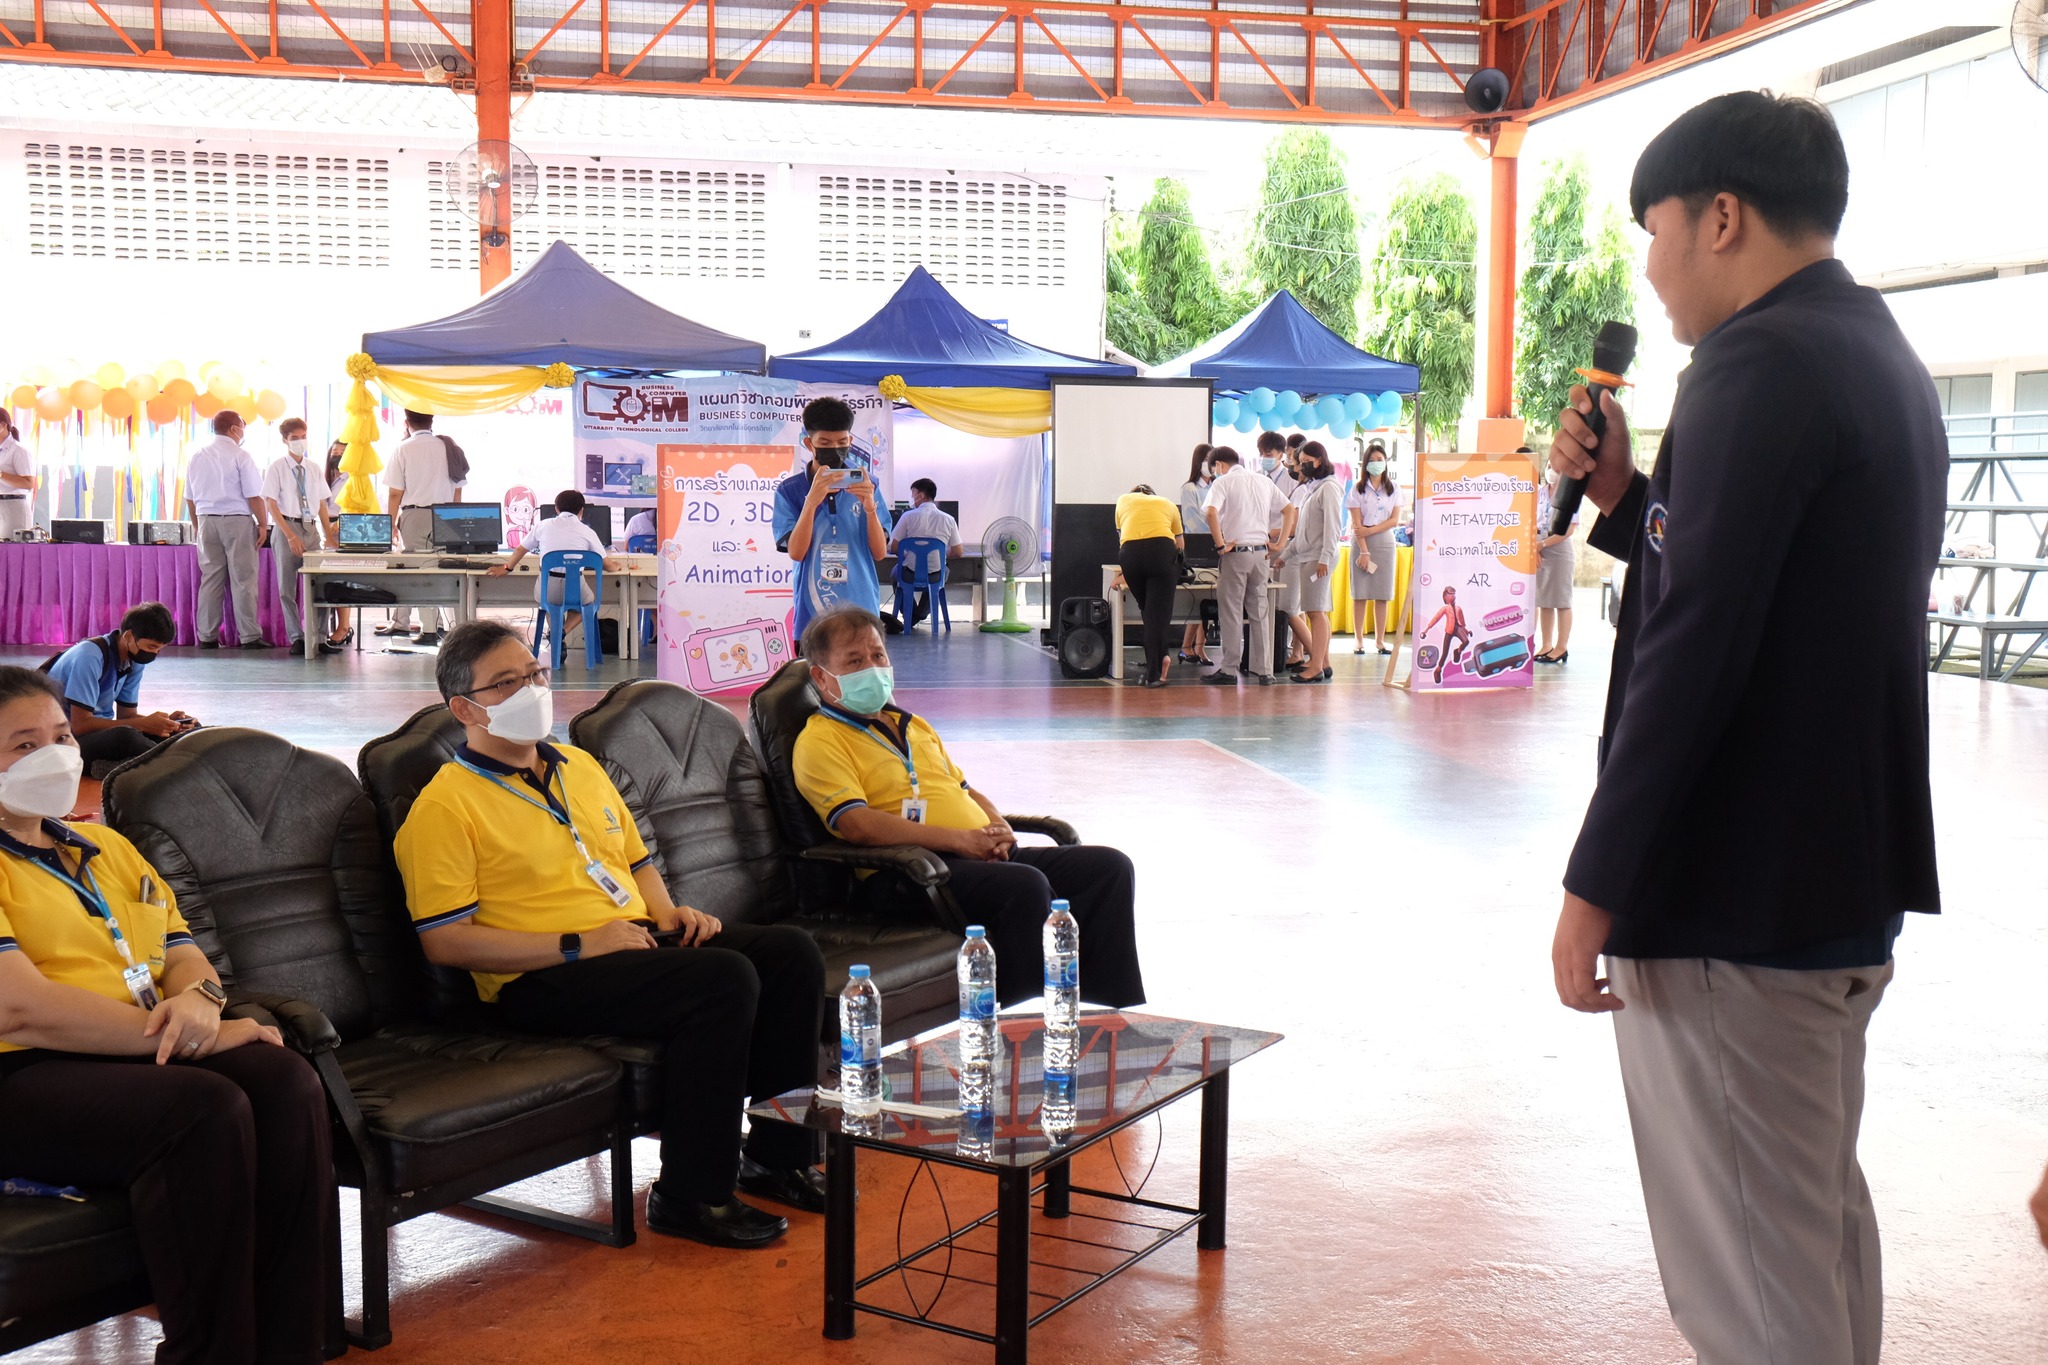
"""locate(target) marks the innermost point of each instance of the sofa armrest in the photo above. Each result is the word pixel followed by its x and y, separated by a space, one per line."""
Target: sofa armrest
pixel 305 1029
pixel 922 866
pixel 1059 831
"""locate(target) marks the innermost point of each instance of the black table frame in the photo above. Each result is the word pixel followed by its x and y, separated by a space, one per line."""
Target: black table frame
pixel 1015 1187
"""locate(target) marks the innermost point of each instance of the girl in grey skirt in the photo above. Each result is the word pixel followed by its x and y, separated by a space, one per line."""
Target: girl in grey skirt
pixel 1374 505
pixel 1554 563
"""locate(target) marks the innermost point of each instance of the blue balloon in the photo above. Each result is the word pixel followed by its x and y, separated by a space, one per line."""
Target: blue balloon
pixel 1358 406
pixel 1272 420
pixel 1224 411
pixel 1247 421
pixel 1386 410
pixel 1259 399
pixel 1287 402
pixel 1330 411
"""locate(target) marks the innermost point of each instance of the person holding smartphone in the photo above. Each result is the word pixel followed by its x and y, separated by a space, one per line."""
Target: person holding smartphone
pixel 827 520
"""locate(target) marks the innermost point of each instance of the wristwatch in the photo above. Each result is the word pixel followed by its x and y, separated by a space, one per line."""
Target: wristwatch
pixel 211 991
pixel 572 947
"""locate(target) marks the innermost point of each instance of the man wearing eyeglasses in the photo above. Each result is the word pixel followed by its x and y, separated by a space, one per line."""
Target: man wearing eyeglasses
pixel 101 677
pixel 524 867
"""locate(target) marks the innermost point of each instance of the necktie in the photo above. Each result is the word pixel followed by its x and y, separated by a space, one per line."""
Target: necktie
pixel 299 477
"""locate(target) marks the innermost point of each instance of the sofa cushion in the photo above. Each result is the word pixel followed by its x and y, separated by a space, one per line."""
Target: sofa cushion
pixel 54 1252
pixel 912 966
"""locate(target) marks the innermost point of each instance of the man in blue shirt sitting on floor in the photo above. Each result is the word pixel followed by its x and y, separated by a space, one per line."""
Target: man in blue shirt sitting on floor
pixel 101 678
pixel 827 519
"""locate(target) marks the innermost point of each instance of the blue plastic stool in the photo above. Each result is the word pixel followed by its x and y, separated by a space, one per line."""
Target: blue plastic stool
pixel 644 545
pixel 915 558
pixel 551 619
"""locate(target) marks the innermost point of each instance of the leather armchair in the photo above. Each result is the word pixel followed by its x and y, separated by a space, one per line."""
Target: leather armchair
pixel 777 713
pixel 64 1266
pixel 279 865
pixel 697 790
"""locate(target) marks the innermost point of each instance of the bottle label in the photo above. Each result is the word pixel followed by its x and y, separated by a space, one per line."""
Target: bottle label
pixel 1063 975
pixel 978 1002
pixel 859 1047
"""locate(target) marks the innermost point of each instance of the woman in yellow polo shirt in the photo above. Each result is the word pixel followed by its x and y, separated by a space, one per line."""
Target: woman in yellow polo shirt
pixel 1148 529
pixel 217 1133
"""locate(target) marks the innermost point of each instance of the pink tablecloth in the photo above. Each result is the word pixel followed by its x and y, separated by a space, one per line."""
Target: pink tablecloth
pixel 57 595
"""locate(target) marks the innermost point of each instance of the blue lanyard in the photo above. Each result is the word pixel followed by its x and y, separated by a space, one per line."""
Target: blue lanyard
pixel 560 817
pixel 901 755
pixel 88 893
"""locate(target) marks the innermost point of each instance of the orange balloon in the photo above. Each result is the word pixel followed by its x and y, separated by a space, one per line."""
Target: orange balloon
pixel 163 410
pixel 142 387
pixel 206 405
pixel 118 403
pixel 23 397
pixel 52 405
pixel 85 395
pixel 270 405
pixel 179 390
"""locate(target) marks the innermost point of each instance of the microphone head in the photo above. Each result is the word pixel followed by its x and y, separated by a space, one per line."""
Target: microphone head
pixel 1614 350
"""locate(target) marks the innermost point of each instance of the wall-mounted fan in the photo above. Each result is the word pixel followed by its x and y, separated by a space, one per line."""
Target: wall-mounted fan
pixel 2030 39
pixel 493 183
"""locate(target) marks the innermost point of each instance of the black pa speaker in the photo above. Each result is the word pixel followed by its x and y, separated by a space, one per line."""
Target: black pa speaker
pixel 1084 638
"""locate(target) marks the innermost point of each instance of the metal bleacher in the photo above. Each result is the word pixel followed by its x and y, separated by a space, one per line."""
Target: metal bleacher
pixel 2001 461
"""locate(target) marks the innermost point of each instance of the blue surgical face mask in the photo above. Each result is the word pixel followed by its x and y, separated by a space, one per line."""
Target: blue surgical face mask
pixel 866 692
pixel 1375 467
pixel 1269 463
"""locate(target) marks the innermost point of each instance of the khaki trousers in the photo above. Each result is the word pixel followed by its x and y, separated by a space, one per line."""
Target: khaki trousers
pixel 1745 1092
pixel 1241 598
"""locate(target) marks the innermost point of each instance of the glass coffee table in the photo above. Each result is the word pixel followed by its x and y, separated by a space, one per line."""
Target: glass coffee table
pixel 1131 1066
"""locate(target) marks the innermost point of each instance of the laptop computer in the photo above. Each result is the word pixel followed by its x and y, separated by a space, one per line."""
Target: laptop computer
pixel 467 528
pixel 365 533
pixel 1200 551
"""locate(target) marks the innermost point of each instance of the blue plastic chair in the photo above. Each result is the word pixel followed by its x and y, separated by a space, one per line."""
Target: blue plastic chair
pixel 645 545
pixel 551 619
pixel 921 567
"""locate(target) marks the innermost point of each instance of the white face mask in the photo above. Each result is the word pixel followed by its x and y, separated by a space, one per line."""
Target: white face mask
pixel 525 717
pixel 296 446
pixel 44 784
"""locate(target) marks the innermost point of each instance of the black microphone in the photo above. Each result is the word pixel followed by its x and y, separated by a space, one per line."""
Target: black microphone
pixel 1614 350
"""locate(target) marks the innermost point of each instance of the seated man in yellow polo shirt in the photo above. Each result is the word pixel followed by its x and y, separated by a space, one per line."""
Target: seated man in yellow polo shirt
pixel 524 867
pixel 878 775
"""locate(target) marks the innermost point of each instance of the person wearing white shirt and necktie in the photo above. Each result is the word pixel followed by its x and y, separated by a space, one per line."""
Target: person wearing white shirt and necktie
pixel 421 474
pixel 17 480
pixel 295 492
pixel 224 495
pixel 1243 506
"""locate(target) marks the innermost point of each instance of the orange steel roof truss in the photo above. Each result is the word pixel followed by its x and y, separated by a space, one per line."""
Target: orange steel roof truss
pixel 1388 62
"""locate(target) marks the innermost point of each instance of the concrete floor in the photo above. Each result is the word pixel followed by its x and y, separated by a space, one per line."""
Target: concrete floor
pixel 1435 1165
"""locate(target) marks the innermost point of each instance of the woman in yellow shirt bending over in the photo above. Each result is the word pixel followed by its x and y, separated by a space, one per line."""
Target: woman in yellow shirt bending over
pixel 1149 531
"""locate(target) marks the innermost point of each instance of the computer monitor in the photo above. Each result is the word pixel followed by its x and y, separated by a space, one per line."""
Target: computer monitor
pixel 365 532
pixel 598 517
pixel 1200 551
pixel 467 528
pixel 950 508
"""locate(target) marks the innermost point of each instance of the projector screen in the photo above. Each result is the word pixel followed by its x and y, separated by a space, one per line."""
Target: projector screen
pixel 1106 436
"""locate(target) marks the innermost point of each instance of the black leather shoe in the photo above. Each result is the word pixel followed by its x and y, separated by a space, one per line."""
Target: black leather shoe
pixel 209 644
pixel 258 642
pixel 731 1224
pixel 801 1187
pixel 1221 678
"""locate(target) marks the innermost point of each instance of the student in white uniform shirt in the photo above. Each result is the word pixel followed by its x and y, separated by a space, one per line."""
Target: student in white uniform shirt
pixel 425 470
pixel 563 531
pixel 224 494
pixel 295 493
pixel 1243 508
pixel 17 480
pixel 641 523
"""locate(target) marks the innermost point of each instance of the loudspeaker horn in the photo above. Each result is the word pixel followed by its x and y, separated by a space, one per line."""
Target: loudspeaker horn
pixel 1487 91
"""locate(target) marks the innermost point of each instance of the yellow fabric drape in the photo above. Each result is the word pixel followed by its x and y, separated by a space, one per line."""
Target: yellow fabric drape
pixel 1003 413
pixel 359 455
pixel 444 390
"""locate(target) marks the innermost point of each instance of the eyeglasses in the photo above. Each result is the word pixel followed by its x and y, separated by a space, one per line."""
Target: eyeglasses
pixel 536 677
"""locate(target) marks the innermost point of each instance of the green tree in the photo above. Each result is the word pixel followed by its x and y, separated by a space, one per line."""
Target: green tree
pixel 1163 293
pixel 1422 285
pixel 1576 279
pixel 1306 236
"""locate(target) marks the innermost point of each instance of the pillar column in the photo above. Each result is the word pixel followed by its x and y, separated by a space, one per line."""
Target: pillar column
pixel 491 38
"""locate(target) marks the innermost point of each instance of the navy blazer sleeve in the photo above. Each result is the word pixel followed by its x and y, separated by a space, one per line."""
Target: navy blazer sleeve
pixel 1752 447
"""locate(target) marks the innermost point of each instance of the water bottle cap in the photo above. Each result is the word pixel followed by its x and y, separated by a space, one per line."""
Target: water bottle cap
pixel 976 931
pixel 859 971
pixel 1059 905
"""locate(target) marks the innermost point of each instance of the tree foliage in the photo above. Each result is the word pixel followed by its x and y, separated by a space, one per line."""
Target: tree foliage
pixel 1306 237
pixel 1577 279
pixel 1422 287
pixel 1164 296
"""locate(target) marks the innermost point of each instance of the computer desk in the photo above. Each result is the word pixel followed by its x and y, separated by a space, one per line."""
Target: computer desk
pixel 1203 589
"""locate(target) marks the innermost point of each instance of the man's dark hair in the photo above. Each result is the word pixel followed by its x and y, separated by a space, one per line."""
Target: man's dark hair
pixel 827 414
pixel 151 621
pixel 1271 443
pixel 1296 440
pixel 419 421
pixel 1222 455
pixel 570 501
pixel 926 487
pixel 17 682
pixel 290 425
pixel 824 633
pixel 1780 154
pixel 455 669
pixel 225 421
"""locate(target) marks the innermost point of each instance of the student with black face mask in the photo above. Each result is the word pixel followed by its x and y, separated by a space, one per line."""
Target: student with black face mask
pixel 829 520
pixel 101 678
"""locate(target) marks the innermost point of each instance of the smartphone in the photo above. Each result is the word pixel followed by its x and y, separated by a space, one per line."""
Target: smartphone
pixel 856 476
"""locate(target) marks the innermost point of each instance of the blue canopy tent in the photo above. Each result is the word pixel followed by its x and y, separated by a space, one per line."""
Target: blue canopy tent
pixel 1281 345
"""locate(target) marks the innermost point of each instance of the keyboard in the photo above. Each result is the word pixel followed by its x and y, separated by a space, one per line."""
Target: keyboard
pixel 466 563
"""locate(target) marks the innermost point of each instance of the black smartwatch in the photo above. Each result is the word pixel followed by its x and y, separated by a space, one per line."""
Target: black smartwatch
pixel 572 947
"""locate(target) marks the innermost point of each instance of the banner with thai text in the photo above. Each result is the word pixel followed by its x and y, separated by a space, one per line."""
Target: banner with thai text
pixel 1474 581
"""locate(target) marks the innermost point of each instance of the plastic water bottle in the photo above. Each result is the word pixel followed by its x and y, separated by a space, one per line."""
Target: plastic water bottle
pixel 1062 989
pixel 1058 1111
pixel 860 1044
pixel 976 971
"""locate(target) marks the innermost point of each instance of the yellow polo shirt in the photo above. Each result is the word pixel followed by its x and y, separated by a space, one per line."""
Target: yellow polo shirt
pixel 41 915
pixel 482 843
pixel 844 760
pixel 1146 516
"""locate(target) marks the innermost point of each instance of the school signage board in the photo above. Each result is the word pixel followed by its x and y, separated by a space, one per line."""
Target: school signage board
pixel 715 450
pixel 1474 580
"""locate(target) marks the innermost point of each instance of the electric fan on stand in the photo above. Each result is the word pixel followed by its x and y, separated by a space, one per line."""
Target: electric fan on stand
pixel 2030 39
pixel 1011 545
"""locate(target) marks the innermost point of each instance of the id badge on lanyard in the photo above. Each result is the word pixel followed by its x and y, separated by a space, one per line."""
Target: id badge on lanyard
pixel 134 975
pixel 834 557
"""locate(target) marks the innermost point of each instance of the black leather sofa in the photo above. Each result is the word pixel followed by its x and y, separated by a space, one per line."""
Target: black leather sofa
pixel 64 1266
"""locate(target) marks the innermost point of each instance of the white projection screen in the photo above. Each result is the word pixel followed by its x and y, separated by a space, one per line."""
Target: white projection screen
pixel 1106 436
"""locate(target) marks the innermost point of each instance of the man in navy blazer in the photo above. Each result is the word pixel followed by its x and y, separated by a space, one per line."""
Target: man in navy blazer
pixel 1762 821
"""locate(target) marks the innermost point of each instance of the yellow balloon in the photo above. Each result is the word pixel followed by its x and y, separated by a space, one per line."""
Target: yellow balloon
pixel 224 384
pixel 110 376
pixel 39 375
pixel 206 371
pixel 143 386
pixel 168 371
pixel 270 405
